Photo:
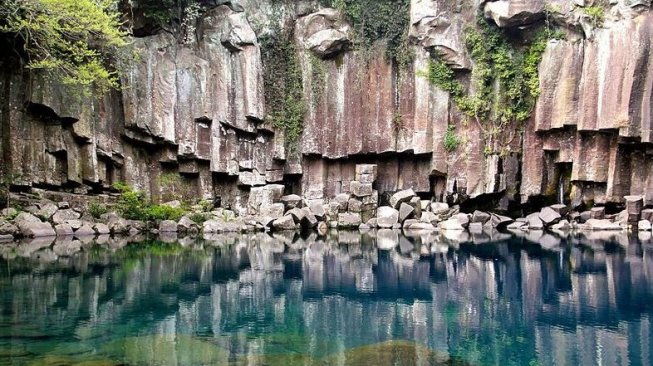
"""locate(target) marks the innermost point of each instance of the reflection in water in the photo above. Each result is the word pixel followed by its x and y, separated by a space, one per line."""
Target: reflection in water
pixel 258 299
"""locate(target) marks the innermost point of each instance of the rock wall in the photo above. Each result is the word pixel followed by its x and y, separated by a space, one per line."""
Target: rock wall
pixel 196 111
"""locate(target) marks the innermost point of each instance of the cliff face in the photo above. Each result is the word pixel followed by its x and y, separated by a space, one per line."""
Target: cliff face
pixel 196 110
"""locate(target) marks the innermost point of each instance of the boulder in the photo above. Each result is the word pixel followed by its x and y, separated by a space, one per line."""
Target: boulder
pixel 401 197
pixel 32 229
pixel 475 227
pixel 416 202
pixel 647 214
pixel 644 225
pixel 349 220
pixel 342 199
pixel 634 206
pixel 429 217
pixel 562 225
pixel 364 227
pixel 406 211
pixel 511 13
pixel 309 220
pixel 168 226
pixel 222 226
pixel 275 210
pixel 594 213
pixel 291 201
pixel 24 217
pixel 480 217
pixel 47 210
pixel 386 217
pixel 64 215
pixel 118 225
pixel 606 225
pixel 534 221
pixel 560 209
pixel 297 214
pixel 420 226
pixel 317 209
pixel 286 222
pixel 517 225
pixel 5 238
pixel 372 223
pixel 549 216
pixel 463 219
pixel 354 205
pixel 85 230
pixel 101 229
pixel 439 208
pixel 328 42
pixel 451 225
pixel 359 189
pixel 7 228
pixel 63 230
pixel 185 224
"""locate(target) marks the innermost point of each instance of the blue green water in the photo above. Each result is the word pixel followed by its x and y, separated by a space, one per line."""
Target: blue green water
pixel 335 300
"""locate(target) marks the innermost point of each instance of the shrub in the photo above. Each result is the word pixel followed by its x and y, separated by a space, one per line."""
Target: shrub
pixel 198 217
pixel 451 139
pixel 131 204
pixel 96 209
pixel 164 212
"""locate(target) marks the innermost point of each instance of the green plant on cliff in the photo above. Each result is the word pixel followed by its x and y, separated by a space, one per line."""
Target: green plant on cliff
pixel 375 20
pixel 69 39
pixel 133 205
pixel 505 75
pixel 282 76
pixel 451 139
pixel 596 15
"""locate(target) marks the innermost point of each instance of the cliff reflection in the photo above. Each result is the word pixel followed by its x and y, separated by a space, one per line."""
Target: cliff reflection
pixel 501 302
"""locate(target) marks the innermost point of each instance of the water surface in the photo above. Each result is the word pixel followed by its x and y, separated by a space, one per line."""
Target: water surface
pixel 293 300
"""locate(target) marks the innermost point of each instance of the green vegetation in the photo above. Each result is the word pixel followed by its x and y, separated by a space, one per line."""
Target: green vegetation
pixel 71 40
pixel 373 20
pixel 596 14
pixel 174 16
pixel 175 187
pixel 318 78
pixel 133 205
pixel 451 139
pixel 505 75
pixel 96 209
pixel 283 83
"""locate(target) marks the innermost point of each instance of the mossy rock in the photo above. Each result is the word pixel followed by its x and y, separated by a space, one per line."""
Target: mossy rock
pixel 166 350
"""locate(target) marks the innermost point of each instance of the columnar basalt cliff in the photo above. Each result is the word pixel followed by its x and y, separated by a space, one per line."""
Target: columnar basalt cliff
pixel 196 109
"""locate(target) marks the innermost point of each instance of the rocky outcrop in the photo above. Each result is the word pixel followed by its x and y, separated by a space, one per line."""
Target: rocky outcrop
pixel 191 120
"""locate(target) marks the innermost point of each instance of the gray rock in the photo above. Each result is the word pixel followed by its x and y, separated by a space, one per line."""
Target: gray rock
pixel 101 229
pixel 463 219
pixel 284 223
pixel 562 225
pixel 644 225
pixel 560 209
pixel 372 222
pixel 354 205
pixel 480 217
pixel 439 208
pixel 517 225
pixel 309 220
pixel 328 42
pixel 451 225
pixel 420 226
pixel 364 227
pixel 291 201
pixel 349 220
pixel 606 225
pixel 406 211
pixel 359 189
pixel 549 216
pixel 63 205
pixel 168 226
pixel 275 210
pixel 63 230
pixel 62 216
pixel 118 225
pixel 342 199
pixel 297 214
pixel 46 211
pixel 647 214
pixel 534 221
pixel 5 238
pixel 317 209
pixel 24 217
pixel 9 212
pixel 32 229
pixel 401 197
pixel 7 228
pixel 387 217
pixel 85 230
pixel 510 13
pixel 429 217
pixel 476 227
pixel 66 248
pixel 594 213
pixel 387 239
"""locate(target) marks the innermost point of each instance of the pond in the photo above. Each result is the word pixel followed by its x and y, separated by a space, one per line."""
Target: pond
pixel 296 299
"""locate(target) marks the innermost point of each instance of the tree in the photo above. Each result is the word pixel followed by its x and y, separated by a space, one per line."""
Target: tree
pixel 71 40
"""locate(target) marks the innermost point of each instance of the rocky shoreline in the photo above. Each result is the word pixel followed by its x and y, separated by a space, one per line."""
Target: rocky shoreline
pixel 357 210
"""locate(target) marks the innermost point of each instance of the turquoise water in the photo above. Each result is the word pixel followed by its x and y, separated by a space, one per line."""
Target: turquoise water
pixel 335 300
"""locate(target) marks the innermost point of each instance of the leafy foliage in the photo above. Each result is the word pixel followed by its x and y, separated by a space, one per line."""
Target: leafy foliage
pixel 497 61
pixel 175 16
pixel 379 19
pixel 596 14
pixel 133 205
pixel 283 83
pixel 175 187
pixel 96 209
pixel 70 39
pixel 451 139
